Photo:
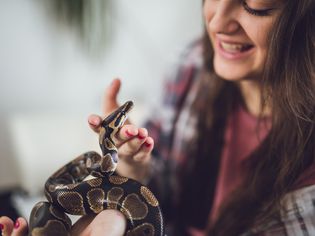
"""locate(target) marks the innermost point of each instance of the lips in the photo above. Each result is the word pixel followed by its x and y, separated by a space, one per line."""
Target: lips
pixel 233 50
pixel 235 47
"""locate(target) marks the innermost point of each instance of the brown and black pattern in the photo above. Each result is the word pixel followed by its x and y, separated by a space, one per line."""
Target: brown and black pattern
pixel 68 191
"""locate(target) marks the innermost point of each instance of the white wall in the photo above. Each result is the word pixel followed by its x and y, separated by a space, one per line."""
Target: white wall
pixel 48 84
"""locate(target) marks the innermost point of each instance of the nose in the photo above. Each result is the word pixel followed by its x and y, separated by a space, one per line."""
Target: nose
pixel 224 18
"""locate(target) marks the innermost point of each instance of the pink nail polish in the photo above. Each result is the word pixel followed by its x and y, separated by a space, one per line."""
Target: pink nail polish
pixel 92 122
pixel 17 224
pixel 129 134
pixel 1 226
pixel 141 137
pixel 148 144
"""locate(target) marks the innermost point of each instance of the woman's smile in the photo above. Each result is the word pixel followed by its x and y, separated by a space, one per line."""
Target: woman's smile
pixel 239 37
pixel 232 50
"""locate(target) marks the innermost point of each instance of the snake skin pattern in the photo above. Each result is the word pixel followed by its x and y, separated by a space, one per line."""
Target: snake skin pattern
pixel 68 191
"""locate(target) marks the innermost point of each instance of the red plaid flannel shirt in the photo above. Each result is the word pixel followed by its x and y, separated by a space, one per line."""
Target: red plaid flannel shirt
pixel 172 127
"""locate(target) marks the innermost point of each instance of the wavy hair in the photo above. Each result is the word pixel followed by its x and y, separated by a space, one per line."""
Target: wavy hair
pixel 289 148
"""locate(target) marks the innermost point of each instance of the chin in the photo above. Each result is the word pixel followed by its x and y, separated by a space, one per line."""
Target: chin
pixel 234 72
pixel 230 74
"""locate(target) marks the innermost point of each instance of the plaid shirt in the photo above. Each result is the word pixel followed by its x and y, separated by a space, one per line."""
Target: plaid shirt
pixel 173 127
pixel 297 217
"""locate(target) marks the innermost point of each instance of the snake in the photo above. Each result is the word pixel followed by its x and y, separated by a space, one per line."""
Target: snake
pixel 89 184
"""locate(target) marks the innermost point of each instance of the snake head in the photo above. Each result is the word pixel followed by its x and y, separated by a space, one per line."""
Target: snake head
pixel 110 126
pixel 117 118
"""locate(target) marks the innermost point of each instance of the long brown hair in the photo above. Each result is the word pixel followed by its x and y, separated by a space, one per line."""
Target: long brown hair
pixel 289 148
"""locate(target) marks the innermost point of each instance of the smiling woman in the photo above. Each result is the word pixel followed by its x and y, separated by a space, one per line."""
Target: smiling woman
pixel 231 152
pixel 241 146
pixel 266 49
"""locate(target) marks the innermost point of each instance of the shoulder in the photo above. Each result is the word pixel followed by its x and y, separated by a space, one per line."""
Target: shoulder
pixel 178 84
pixel 191 58
pixel 192 54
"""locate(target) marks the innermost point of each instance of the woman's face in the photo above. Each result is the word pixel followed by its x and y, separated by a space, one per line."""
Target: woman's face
pixel 238 30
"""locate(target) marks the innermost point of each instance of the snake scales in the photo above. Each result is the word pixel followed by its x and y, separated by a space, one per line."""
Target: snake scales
pixel 67 190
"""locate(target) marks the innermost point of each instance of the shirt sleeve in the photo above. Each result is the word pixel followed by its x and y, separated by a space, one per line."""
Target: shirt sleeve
pixel 297 217
pixel 161 125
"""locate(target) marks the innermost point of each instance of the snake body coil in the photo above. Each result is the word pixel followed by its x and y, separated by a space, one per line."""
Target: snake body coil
pixel 67 190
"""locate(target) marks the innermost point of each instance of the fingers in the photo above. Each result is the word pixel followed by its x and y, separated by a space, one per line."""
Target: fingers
pixel 20 227
pixel 110 99
pixel 112 222
pixel 95 122
pixel 82 226
pixel 10 228
pixel 126 133
pixel 130 140
pixel 6 225
pixel 143 154
pixel 109 104
pixel 133 142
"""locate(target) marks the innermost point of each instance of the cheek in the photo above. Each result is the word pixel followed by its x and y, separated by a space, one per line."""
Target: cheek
pixel 208 14
pixel 259 36
pixel 208 11
pixel 258 30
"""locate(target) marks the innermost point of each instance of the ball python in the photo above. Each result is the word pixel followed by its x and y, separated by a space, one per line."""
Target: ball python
pixel 69 190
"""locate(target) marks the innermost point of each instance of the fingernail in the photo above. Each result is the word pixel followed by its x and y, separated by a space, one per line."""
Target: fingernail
pixel 17 224
pixel 148 144
pixel 1 226
pixel 91 122
pixel 141 137
pixel 129 134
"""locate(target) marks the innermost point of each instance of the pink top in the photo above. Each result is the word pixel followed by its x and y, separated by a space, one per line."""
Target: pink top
pixel 243 134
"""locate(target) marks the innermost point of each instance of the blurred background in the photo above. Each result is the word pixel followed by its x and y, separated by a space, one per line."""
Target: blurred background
pixel 56 58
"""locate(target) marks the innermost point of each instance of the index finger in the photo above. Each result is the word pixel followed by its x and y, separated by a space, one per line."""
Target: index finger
pixel 110 103
pixel 95 122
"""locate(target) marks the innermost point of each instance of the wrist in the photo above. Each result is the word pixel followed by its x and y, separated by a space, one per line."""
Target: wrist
pixel 137 171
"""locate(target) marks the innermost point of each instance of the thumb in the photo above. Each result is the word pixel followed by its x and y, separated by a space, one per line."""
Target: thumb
pixel 110 103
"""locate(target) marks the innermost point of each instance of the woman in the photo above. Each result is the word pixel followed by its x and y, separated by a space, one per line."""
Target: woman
pixel 235 140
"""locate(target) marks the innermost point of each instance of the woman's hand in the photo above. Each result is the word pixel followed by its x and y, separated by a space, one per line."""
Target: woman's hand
pixel 133 143
pixel 134 150
pixel 108 222
pixel 10 228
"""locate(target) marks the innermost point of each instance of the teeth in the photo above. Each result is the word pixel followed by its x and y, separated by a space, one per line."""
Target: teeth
pixel 232 47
